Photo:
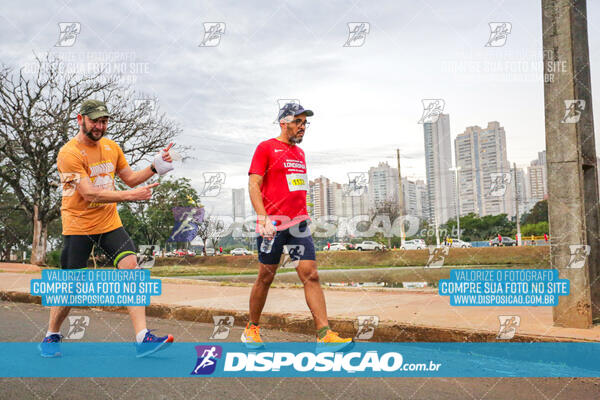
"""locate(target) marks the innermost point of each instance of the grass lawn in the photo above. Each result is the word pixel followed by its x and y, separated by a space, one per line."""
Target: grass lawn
pixel 525 256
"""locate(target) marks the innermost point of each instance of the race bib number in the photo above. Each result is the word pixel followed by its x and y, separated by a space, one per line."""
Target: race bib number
pixel 297 182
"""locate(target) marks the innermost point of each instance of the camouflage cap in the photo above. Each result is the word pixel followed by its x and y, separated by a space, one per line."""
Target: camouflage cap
pixel 94 109
pixel 292 110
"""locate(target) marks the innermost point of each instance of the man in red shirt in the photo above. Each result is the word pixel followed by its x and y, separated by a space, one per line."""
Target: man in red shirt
pixel 278 185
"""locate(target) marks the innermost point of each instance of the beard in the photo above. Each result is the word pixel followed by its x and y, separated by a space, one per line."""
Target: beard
pixel 89 133
pixel 296 139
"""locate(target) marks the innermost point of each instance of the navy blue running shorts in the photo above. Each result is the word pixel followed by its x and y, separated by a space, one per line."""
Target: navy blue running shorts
pixel 296 241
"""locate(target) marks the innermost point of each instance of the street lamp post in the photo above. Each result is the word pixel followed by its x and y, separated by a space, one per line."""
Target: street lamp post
pixel 456 169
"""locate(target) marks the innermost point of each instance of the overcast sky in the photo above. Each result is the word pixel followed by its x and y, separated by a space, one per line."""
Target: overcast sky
pixel 367 99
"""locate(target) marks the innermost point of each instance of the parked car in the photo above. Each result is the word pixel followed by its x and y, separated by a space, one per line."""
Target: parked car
pixel 335 247
pixel 413 245
pixel 369 245
pixel 461 244
pixel 421 242
pixel 211 252
pixel 240 251
pixel 506 241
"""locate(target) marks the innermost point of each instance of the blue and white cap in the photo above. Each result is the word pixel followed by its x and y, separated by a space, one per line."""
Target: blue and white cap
pixel 292 110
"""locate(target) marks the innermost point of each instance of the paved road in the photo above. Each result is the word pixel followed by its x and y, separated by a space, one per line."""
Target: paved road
pixel 27 322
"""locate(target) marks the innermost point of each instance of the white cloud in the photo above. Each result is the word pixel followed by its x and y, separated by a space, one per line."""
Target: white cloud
pixel 367 100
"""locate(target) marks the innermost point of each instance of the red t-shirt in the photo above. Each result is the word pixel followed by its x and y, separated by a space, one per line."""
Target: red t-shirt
pixel 285 183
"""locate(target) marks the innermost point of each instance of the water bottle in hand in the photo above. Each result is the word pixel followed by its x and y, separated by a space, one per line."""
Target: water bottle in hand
pixel 267 244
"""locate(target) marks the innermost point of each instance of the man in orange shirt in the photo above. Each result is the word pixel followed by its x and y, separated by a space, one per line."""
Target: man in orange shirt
pixel 87 165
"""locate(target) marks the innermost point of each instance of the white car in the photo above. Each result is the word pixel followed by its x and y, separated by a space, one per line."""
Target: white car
pixel 420 242
pixel 413 245
pixel 460 243
pixel 369 245
pixel 240 251
pixel 335 247
pixel 211 252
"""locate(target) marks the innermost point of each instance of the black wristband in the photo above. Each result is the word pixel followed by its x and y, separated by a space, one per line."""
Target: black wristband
pixel 153 169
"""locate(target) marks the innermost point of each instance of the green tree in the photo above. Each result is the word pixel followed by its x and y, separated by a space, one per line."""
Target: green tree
pixel 151 222
pixel 474 227
pixel 538 213
pixel 534 229
pixel 37 117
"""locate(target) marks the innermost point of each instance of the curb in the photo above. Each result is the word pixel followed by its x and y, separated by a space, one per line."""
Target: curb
pixel 387 331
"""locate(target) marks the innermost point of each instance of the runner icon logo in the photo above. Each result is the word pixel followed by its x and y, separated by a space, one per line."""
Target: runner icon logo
pixel 207 359
pixel 77 326
pixel 212 34
pixel 69 182
pixel 357 33
pixel 437 256
pixel 432 108
pixel 145 256
pixel 292 254
pixel 186 224
pixel 68 33
pixel 366 326
pixel 357 184
pixel 213 182
pixel 499 183
pixel 508 326
pixel 499 32
pixel 223 325
pixel 573 110
pixel 579 253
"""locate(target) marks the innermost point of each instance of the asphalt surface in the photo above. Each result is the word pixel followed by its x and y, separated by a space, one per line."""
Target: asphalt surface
pixel 28 322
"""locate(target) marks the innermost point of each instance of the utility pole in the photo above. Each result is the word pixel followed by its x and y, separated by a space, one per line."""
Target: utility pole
pixel 456 169
pixel 437 231
pixel 571 160
pixel 400 201
pixel 517 205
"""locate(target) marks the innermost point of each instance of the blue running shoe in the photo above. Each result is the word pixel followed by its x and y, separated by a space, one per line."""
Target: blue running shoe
pixel 152 344
pixel 50 346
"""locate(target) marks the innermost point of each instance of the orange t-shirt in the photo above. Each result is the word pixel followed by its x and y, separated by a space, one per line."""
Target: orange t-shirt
pixel 99 163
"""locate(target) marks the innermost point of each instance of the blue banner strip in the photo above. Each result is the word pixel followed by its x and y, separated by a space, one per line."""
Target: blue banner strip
pixel 219 359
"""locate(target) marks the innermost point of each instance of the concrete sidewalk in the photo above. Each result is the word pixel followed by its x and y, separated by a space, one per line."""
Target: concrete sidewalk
pixel 405 314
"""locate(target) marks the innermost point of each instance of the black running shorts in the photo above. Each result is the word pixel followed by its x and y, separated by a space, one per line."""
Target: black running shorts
pixel 77 248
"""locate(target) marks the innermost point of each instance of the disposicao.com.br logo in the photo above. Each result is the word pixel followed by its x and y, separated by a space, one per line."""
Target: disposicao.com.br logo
pixel 351 362
pixel 295 359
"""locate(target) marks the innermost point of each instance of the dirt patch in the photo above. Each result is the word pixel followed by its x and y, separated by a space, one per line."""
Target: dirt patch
pixel 16 267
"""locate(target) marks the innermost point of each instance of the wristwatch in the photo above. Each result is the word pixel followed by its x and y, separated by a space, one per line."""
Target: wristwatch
pixel 152 168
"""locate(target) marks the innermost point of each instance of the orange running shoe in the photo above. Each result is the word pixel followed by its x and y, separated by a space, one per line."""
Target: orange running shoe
pixel 333 340
pixel 251 336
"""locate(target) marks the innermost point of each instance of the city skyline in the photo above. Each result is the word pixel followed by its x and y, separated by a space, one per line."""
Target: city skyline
pixel 328 197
